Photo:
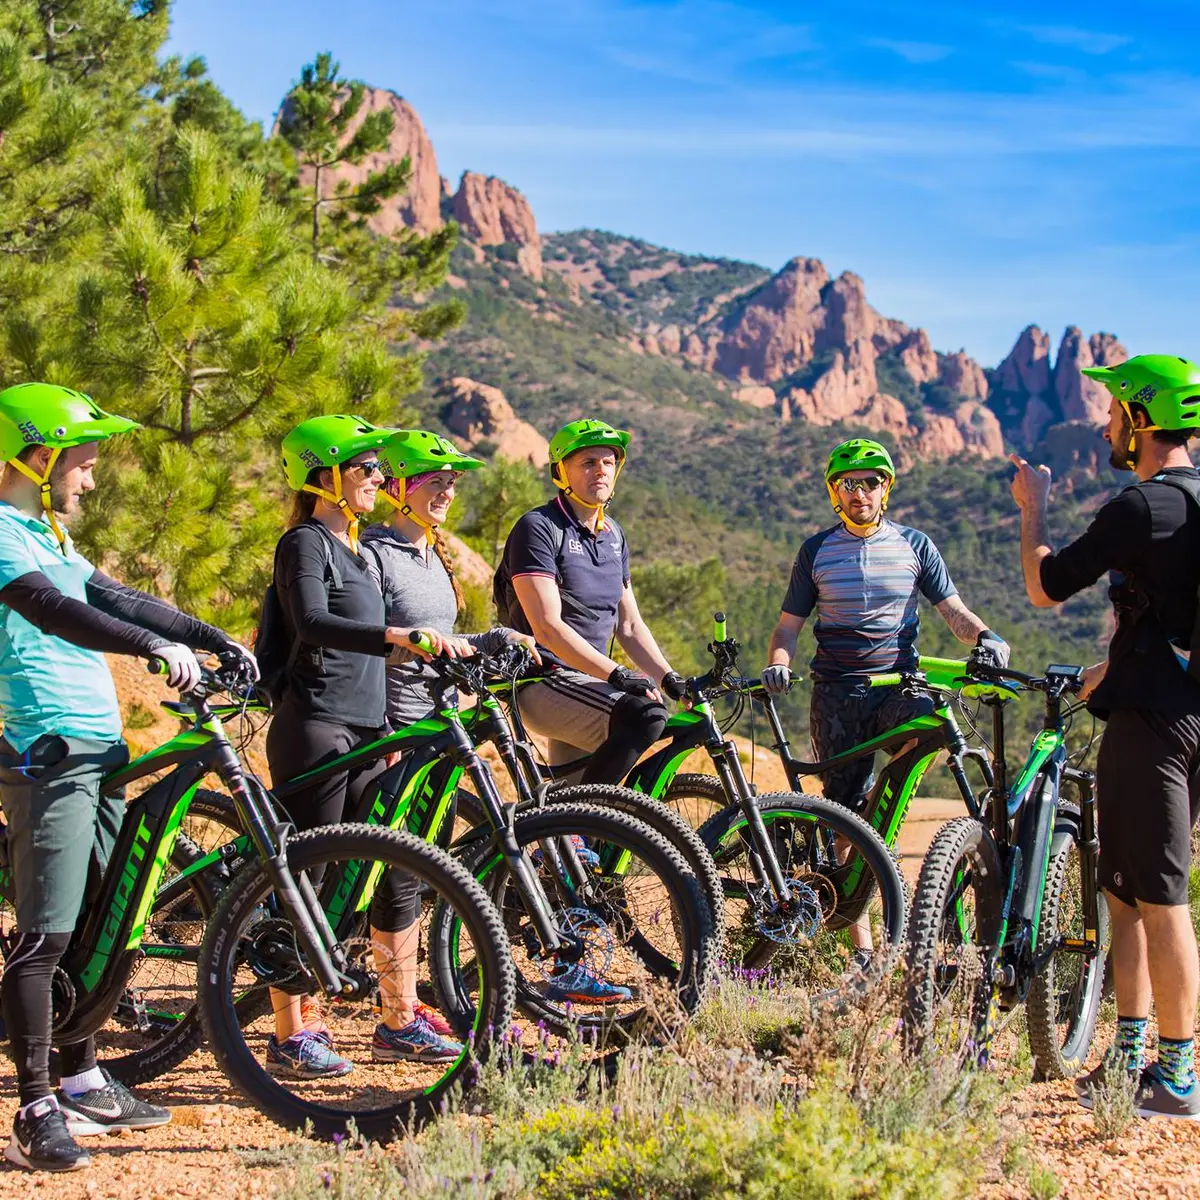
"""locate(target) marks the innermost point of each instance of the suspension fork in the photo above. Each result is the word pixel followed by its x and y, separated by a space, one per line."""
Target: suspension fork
pixel 297 897
pixel 763 859
pixel 1089 850
pixel 529 886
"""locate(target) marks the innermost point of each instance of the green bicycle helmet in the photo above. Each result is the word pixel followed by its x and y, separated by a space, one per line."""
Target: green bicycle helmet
pixel 579 435
pixel 45 414
pixel 1166 385
pixel 859 454
pixel 416 451
pixel 327 442
pixel 589 432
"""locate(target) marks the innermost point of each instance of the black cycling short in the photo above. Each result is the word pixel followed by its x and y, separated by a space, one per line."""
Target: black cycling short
pixel 846 712
pixel 1147 800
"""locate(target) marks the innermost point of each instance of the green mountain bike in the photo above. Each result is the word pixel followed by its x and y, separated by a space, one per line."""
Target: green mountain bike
pixel 575 881
pixel 1008 910
pixel 796 871
pixel 286 920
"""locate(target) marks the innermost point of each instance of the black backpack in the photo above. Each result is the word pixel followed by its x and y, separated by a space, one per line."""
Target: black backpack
pixel 504 596
pixel 276 647
pixel 1190 486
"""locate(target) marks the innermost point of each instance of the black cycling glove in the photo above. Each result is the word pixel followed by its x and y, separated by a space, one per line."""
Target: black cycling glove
pixel 674 686
pixel 633 683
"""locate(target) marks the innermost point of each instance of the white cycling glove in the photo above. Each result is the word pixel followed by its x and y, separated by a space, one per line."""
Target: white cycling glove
pixel 183 671
pixel 777 679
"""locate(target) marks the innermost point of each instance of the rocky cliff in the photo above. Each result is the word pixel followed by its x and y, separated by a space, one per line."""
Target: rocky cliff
pixel 419 207
pixel 490 212
pixel 1032 396
pixel 799 342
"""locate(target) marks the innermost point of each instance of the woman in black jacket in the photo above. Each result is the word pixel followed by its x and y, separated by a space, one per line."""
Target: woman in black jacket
pixel 334 701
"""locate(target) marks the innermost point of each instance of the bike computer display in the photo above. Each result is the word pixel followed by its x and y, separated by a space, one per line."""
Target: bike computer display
pixel 1064 672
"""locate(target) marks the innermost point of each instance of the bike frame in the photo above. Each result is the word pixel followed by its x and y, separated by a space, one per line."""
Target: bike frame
pixel 417 793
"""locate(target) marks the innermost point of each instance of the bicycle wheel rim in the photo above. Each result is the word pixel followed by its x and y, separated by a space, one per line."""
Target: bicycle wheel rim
pixel 809 943
pixel 646 923
pixel 243 955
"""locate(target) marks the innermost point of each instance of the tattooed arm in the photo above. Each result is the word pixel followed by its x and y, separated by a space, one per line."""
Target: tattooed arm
pixel 964 624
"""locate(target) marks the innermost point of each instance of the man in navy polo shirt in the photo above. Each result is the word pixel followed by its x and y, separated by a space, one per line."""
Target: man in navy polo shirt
pixel 564 578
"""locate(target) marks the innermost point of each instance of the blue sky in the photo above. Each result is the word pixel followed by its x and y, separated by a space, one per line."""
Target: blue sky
pixel 981 167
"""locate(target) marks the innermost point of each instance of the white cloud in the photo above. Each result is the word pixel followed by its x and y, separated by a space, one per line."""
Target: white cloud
pixel 1086 41
pixel 917 53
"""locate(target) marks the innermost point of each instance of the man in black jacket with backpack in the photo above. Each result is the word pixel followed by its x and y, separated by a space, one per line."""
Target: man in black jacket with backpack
pixel 1148 768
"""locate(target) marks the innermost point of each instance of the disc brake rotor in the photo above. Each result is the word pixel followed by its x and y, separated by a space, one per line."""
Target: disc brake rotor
pixel 796 919
pixel 593 935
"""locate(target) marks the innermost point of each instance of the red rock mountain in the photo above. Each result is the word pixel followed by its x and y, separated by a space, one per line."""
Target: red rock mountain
pixel 808 346
pixel 489 213
pixel 1034 397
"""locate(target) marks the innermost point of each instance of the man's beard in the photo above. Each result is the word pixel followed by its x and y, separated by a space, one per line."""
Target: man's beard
pixel 1124 455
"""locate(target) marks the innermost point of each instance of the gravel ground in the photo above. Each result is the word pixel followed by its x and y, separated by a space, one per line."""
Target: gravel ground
pixel 1156 1158
pixel 219 1149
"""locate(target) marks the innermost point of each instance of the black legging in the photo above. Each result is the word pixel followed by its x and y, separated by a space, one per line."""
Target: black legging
pixel 297 743
pixel 28 1014
pixel 634 725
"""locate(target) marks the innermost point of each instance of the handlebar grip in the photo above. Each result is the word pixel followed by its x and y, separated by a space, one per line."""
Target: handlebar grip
pixel 421 640
pixel 156 666
pixel 719 627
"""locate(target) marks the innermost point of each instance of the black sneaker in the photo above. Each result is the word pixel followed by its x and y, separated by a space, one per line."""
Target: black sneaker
pixel 1155 1099
pixel 41 1141
pixel 109 1109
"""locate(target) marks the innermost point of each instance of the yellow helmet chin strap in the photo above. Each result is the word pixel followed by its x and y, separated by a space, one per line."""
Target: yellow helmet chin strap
pixel 1131 449
pixel 854 526
pixel 338 501
pixel 559 478
pixel 43 482
pixel 401 505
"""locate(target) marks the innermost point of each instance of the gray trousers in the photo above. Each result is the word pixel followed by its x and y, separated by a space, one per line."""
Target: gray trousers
pixel 59 826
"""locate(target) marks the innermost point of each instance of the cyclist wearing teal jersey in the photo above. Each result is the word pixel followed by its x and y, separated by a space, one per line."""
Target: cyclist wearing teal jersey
pixel 62 735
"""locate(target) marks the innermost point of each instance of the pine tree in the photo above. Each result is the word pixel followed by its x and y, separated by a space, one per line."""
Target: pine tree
pixel 72 81
pixel 206 319
pixel 496 498
pixel 317 121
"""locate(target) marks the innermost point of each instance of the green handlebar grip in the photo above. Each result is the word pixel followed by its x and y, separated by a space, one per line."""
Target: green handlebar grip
pixel 156 666
pixel 891 679
pixel 421 640
pixel 718 627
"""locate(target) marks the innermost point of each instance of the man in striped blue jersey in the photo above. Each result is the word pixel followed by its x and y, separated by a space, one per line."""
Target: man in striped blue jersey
pixel 862 577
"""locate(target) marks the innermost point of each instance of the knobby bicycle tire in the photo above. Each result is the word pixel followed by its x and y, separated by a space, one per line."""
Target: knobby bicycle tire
pixel 667 824
pixel 219 961
pixel 1060 1054
pixel 689 912
pixel 836 819
pixel 693 786
pixel 962 857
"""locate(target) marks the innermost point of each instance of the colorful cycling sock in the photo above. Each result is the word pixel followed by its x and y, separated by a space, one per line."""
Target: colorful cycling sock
pixel 1131 1041
pixel 1177 1063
